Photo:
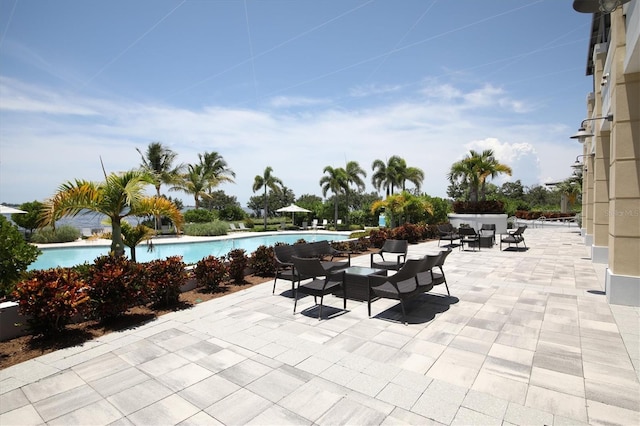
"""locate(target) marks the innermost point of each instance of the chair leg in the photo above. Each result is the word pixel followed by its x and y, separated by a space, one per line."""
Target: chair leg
pixel 295 301
pixel 274 286
pixel 320 312
pixel 404 314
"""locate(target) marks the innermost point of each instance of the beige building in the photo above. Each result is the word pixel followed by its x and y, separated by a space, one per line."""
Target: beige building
pixel 610 137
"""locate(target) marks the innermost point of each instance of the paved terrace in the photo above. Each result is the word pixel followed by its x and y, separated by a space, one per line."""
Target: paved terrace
pixel 526 338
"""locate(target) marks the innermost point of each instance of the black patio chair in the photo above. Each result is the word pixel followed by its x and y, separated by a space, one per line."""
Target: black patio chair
pixel 323 281
pixel 470 237
pixel 398 248
pixel 403 285
pixel 489 230
pixel 514 237
pixel 447 232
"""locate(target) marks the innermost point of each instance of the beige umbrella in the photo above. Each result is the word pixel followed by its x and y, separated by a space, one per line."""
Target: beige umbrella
pixel 293 209
pixel 9 210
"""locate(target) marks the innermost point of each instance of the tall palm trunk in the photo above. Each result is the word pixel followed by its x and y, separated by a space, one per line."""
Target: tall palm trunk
pixel 117 246
pixel 266 205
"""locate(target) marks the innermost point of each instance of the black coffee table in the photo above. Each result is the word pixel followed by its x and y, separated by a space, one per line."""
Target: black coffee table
pixel 358 285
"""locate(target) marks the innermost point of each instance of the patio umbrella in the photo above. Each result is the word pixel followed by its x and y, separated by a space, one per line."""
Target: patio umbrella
pixel 9 210
pixel 293 209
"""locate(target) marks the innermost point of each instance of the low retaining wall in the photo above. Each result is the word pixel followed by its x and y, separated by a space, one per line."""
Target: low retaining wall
pixel 12 323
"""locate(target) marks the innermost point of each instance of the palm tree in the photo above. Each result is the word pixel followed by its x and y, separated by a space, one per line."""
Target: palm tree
pixel 194 182
pixel 489 167
pixel 119 196
pixel 404 173
pixel 336 181
pixel 158 162
pixel 474 170
pixel 215 169
pixel 382 177
pixel 266 181
pixel 353 173
pixel 401 206
pixel 394 174
pixel 200 178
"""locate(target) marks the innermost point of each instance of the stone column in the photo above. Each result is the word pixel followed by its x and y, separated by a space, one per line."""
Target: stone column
pixel 623 273
pixel 587 181
pixel 600 140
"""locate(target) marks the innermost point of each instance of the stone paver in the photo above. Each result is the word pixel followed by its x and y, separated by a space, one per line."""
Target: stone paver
pixel 526 337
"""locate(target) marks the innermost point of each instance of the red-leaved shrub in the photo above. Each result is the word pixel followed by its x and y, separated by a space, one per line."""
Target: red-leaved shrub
pixel 51 298
pixel 164 278
pixel 115 285
pixel 211 272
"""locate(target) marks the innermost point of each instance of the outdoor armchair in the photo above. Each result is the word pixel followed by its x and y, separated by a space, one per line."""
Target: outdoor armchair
pixel 403 285
pixel 322 281
pixel 489 230
pixel 397 248
pixel 470 237
pixel 447 232
pixel 514 237
pixel 438 278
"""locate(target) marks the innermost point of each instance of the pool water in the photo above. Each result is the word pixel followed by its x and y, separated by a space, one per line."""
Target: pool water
pixel 191 252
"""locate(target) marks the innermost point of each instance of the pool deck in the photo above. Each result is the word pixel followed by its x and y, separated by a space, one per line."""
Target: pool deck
pixel 527 337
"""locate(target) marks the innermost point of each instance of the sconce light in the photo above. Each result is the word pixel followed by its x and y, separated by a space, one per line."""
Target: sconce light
pixel 605 79
pixel 595 6
pixel 579 167
pixel 582 132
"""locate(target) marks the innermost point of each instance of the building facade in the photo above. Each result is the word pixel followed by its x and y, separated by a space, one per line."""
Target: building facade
pixel 610 137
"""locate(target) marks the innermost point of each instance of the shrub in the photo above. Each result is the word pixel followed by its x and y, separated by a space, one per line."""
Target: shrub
pixel 164 278
pixel 362 244
pixel 199 216
pixel 15 256
pixel 214 228
pixel 116 284
pixel 51 298
pixel 489 206
pixel 377 237
pixel 210 272
pixel 62 234
pixel 410 232
pixel 430 232
pixel 263 262
pixel 238 262
pixel 249 223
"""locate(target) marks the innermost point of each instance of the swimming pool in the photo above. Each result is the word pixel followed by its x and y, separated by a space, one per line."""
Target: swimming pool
pixel 191 251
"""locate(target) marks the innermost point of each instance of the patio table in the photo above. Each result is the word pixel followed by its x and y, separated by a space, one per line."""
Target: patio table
pixel 357 283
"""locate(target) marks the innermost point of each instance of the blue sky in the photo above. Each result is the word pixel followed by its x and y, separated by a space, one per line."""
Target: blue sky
pixel 292 84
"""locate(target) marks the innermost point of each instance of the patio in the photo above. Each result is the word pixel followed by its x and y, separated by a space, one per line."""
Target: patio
pixel 526 338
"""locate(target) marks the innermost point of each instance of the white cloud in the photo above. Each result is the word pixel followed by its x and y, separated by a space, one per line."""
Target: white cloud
pixel 373 89
pixel 39 151
pixel 295 101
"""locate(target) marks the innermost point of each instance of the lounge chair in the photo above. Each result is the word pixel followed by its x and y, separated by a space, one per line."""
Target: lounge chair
pixel 470 237
pixel 448 233
pixel 514 237
pixel 304 225
pixel 393 247
pixel 404 284
pixel 242 227
pixel 232 227
pixel 329 282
